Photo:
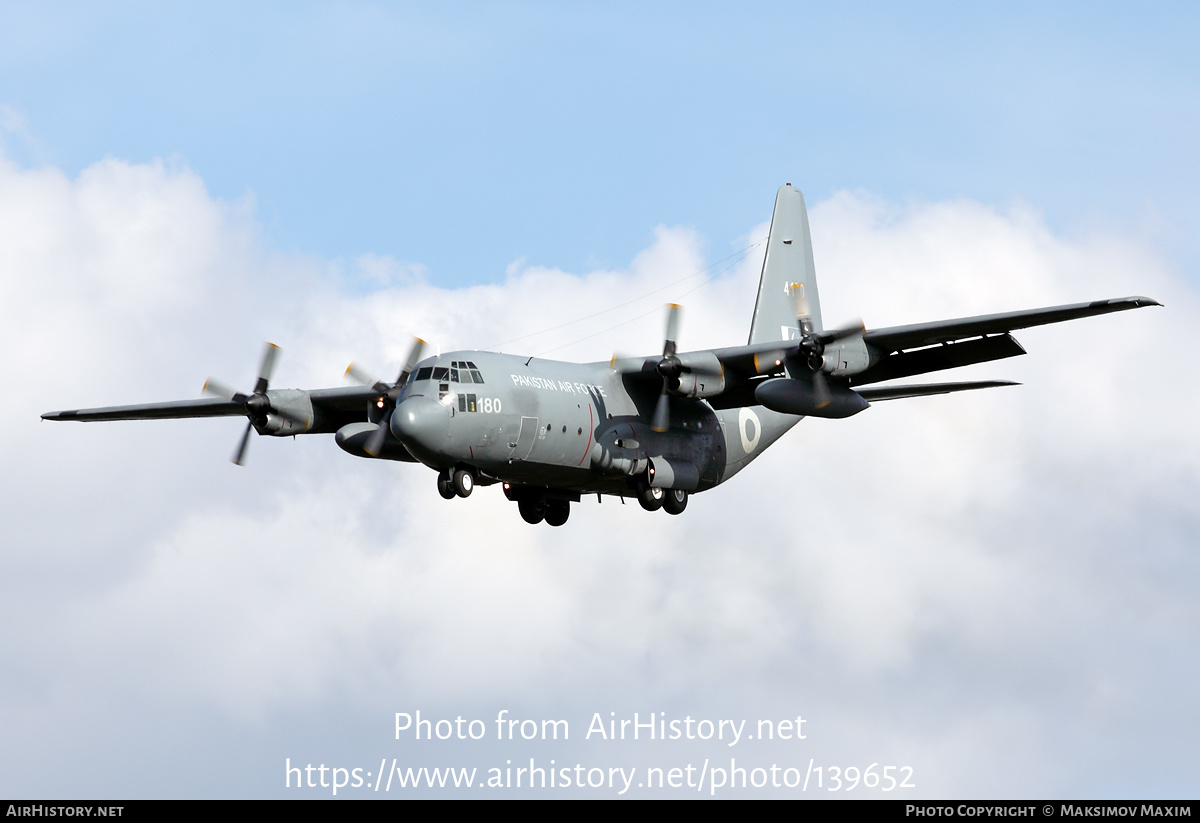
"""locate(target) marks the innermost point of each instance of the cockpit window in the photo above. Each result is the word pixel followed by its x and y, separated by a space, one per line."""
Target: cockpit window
pixel 459 371
pixel 464 371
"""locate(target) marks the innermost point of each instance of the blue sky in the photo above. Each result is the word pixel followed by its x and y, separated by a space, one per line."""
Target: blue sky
pixel 996 588
pixel 474 135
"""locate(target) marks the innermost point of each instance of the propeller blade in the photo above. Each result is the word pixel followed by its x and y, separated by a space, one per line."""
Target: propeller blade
pixel 625 364
pixel 414 357
pixel 662 412
pixel 375 445
pixel 821 389
pixel 832 335
pixel 219 389
pixel 360 375
pixel 672 330
pixel 239 456
pixel 799 301
pixel 268 365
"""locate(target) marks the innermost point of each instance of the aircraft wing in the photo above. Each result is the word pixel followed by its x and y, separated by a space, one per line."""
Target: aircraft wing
pixel 898 338
pixel 341 404
pixel 153 411
pixel 883 354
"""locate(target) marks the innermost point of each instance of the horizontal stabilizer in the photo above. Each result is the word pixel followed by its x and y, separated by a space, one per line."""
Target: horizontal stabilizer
pixel 897 392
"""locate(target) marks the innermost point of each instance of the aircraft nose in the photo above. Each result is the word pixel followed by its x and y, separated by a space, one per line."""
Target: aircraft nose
pixel 422 424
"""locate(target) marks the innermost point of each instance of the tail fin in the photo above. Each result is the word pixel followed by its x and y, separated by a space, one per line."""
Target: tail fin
pixel 788 262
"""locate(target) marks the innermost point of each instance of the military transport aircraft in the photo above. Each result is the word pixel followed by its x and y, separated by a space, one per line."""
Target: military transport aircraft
pixel 656 428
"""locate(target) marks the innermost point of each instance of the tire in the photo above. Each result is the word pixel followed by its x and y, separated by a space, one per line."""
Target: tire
pixel 651 498
pixel 675 501
pixel 557 512
pixel 464 483
pixel 446 486
pixel 532 511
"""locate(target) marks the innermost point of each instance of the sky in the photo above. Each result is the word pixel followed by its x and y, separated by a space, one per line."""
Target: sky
pixel 994 591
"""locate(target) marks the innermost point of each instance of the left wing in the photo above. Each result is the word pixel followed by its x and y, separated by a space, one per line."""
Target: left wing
pixel 822 374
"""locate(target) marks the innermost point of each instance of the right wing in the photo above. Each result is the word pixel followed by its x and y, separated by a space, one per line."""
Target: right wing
pixel 154 411
pixel 332 408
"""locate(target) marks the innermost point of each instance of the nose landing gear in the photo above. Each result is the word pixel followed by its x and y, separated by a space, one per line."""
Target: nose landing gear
pixel 464 482
pixel 453 483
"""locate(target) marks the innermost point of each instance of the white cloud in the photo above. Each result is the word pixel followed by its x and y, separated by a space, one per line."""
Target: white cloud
pixel 972 584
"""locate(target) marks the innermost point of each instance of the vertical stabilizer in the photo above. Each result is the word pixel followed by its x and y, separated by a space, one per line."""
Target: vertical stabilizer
pixel 788 262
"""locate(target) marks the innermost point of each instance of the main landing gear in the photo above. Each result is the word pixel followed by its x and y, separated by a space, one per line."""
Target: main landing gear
pixel 534 510
pixel 537 504
pixel 673 501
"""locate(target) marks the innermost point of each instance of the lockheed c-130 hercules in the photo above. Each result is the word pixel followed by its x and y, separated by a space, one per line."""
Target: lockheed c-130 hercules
pixel 656 428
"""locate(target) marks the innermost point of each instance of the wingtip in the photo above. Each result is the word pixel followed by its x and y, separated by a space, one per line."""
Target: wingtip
pixel 1137 301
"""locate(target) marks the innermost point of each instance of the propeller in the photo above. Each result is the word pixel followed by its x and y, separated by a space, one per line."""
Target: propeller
pixel 390 393
pixel 812 346
pixel 670 367
pixel 256 404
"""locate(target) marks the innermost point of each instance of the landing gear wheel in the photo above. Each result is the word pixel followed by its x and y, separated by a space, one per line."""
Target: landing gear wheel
pixel 532 511
pixel 557 512
pixel 464 482
pixel 651 498
pixel 675 501
pixel 446 486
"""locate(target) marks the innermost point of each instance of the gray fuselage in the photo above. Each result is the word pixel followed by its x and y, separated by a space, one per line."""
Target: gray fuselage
pixel 577 427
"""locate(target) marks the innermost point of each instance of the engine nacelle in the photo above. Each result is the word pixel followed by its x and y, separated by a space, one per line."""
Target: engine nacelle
pixel 690 384
pixel 850 355
pixel 702 376
pixel 298 407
